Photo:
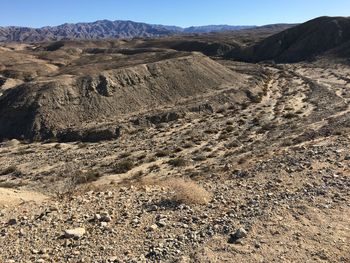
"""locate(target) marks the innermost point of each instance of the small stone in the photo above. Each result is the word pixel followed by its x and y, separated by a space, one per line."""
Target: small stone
pixel 161 223
pixel 152 208
pixel 21 232
pixel 257 244
pixel 45 256
pixel 153 227
pixel 113 259
pixel 106 218
pixel 135 221
pixel 43 251
pixel 12 221
pixel 74 233
pixel 67 243
pixel 34 251
pixel 240 233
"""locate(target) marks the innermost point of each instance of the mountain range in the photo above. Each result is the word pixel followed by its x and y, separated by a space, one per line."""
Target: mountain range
pixel 103 29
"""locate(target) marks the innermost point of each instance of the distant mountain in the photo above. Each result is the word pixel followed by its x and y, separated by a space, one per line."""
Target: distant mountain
pixel 214 28
pixel 96 30
pixel 305 41
pixel 102 29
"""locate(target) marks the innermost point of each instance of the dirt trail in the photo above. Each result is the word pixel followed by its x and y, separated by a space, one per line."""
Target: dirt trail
pixel 11 197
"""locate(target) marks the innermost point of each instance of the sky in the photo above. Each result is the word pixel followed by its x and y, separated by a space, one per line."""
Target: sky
pixel 38 13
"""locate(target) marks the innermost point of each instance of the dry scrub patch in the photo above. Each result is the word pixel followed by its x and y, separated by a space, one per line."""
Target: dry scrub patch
pixel 187 191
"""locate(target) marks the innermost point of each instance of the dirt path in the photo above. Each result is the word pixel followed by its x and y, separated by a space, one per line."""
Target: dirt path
pixel 12 197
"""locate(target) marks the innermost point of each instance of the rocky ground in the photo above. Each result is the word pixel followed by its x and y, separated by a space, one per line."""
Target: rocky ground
pixel 263 181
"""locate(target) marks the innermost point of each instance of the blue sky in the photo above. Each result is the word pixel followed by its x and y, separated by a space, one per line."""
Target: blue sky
pixel 37 13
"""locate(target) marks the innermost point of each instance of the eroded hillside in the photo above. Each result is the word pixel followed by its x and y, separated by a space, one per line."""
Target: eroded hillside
pixel 96 86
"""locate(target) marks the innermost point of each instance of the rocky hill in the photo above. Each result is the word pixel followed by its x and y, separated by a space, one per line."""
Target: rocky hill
pixel 305 41
pixel 105 85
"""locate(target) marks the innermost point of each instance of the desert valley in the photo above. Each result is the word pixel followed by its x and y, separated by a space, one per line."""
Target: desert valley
pixel 176 145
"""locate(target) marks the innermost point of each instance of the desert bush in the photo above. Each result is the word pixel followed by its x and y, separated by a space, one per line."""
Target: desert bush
pixel 255 98
pixel 141 157
pixel 9 170
pixel 223 136
pixel 73 183
pixel 177 162
pixel 123 167
pixel 243 159
pixel 290 115
pixel 233 144
pixel 124 155
pixel 187 192
pixel 162 153
pixel 7 184
pixel 135 178
pixel 177 149
pixel 210 131
pixel 229 129
pixel 199 158
pixel 187 145
pixel 151 159
pixel 86 177
pixel 221 110
pixel 154 167
pixel 267 127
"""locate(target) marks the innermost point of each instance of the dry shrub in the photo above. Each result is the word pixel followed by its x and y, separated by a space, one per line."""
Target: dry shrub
pixel 177 162
pixel 162 153
pixel 9 170
pixel 187 191
pixel 74 183
pixel 123 166
pixel 86 177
